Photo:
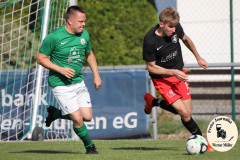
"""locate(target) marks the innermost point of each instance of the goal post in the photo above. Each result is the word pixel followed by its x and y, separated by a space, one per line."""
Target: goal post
pixel 23 84
pixel 40 69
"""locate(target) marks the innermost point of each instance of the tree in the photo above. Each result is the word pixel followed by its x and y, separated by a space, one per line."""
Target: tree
pixel 117 29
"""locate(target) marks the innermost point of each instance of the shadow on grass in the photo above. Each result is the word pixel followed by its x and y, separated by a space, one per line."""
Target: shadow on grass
pixel 146 148
pixel 47 152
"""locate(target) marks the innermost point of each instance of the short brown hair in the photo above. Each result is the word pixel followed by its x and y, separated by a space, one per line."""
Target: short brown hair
pixel 71 10
pixel 170 15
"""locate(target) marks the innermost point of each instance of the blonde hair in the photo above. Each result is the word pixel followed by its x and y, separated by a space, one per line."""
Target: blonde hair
pixel 170 15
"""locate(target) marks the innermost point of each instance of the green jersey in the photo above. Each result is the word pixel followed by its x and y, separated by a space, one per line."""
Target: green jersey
pixel 66 50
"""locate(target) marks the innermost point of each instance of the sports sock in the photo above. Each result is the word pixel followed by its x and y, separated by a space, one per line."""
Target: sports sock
pixel 155 102
pixel 169 108
pixel 58 114
pixel 163 105
pixel 83 134
pixel 192 127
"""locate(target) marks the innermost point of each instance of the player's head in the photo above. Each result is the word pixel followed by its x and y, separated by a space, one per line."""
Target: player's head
pixel 75 19
pixel 169 15
pixel 168 19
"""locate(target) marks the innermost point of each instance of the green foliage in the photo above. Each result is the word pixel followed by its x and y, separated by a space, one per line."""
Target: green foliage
pixel 117 29
pixel 19 51
pixel 18 35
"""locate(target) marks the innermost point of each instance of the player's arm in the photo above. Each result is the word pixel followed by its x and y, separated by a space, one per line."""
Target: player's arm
pixel 190 45
pixel 91 59
pixel 155 69
pixel 43 60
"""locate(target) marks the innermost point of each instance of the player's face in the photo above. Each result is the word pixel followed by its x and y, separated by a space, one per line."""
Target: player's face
pixel 77 22
pixel 168 29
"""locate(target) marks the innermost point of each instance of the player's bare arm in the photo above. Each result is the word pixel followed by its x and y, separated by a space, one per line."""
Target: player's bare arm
pixel 155 69
pixel 43 60
pixel 91 59
pixel 190 45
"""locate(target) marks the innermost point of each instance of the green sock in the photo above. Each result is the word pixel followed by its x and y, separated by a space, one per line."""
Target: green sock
pixel 58 114
pixel 83 134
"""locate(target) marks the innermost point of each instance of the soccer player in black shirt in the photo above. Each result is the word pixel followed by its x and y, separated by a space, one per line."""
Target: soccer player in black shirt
pixel 163 56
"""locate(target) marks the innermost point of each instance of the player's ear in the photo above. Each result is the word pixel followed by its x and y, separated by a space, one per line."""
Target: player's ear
pixel 69 21
pixel 161 24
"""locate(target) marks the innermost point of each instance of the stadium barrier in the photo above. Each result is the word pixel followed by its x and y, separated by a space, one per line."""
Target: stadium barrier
pixel 117 106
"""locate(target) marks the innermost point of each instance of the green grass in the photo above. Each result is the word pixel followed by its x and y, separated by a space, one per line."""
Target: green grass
pixel 174 126
pixel 166 125
pixel 117 149
pixel 109 150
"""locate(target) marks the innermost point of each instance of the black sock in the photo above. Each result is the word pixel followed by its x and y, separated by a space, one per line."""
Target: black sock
pixel 164 106
pixel 192 127
pixel 169 108
pixel 155 102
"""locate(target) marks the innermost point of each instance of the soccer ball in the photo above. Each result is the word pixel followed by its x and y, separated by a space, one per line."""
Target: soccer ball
pixel 196 144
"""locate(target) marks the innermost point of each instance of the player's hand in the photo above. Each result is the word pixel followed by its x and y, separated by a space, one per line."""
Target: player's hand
pixel 202 63
pixel 97 83
pixel 180 75
pixel 67 72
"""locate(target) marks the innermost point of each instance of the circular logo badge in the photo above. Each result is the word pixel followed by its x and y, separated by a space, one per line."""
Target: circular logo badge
pixel 222 133
pixel 82 41
pixel 174 38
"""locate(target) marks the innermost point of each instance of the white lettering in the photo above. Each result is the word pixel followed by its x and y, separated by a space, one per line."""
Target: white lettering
pixel 97 123
pixel 30 98
pixel 6 124
pixel 18 99
pixel 118 122
pixel 134 121
pixel 4 97
pixel 42 99
pixel 39 121
pixel 169 57
pixel 90 124
pixel 59 125
pixel 17 122
pixel 104 122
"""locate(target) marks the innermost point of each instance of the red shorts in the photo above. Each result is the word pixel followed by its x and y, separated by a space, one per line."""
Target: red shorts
pixel 172 89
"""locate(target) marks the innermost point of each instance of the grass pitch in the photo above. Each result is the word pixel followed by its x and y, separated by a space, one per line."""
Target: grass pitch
pixel 109 150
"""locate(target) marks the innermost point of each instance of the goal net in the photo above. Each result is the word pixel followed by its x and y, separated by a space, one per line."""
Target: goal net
pixel 21 24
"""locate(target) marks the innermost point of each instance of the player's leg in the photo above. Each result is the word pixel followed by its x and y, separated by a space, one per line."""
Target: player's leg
pixel 63 93
pixel 85 112
pixel 183 90
pixel 188 104
pixel 190 124
pixel 70 99
pixel 184 109
pixel 181 109
pixel 166 107
pixel 80 129
pixel 151 102
pixel 164 87
pixel 186 118
pixel 53 114
pixel 65 97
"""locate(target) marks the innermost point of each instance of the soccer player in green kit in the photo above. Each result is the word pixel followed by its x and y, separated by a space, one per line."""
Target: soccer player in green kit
pixel 67 46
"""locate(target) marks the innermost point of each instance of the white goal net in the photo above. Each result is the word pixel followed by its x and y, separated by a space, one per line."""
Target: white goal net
pixel 21 25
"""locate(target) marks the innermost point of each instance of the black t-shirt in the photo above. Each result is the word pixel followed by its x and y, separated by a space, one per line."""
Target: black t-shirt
pixel 166 51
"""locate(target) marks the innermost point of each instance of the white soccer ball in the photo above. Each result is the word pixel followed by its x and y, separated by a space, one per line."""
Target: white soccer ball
pixel 196 144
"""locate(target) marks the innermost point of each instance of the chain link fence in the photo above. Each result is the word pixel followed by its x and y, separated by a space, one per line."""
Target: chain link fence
pixel 214 28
